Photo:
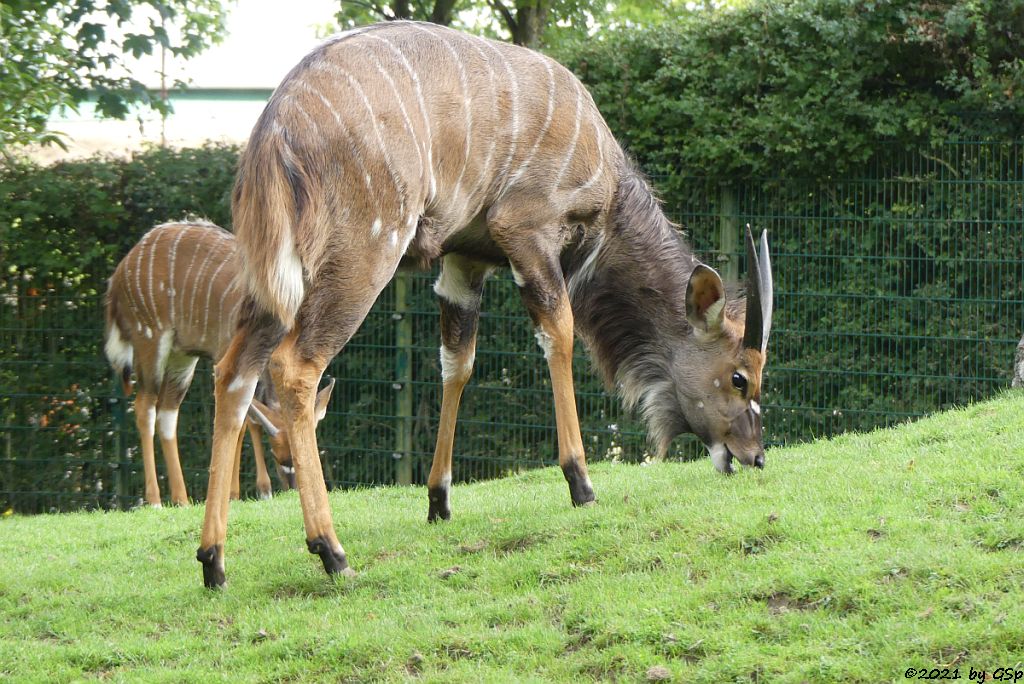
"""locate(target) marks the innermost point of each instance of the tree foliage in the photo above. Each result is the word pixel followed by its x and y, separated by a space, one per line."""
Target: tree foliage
pixel 807 87
pixel 56 53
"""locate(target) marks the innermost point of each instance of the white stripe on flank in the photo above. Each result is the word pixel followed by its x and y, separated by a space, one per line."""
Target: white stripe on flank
pixel 423 109
pixel 152 292
pixel 514 83
pixel 571 152
pixel 416 143
pixel 385 150
pixel 193 311
pixel 485 175
pixel 466 100
pixel 209 292
pixel 343 127
pixel 544 127
pixel 185 284
pixel 143 307
pixel 600 158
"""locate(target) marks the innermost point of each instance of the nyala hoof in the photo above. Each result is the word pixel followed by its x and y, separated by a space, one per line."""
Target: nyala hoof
pixel 334 561
pixel 213 567
pixel 439 509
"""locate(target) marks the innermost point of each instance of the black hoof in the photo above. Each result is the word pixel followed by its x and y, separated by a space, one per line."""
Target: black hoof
pixel 579 485
pixel 213 567
pixel 439 509
pixel 334 562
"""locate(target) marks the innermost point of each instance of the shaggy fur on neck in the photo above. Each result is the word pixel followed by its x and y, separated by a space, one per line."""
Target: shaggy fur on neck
pixel 628 292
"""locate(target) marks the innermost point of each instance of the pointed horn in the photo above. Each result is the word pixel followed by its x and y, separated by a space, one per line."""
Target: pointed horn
pixel 767 290
pixel 753 328
pixel 264 422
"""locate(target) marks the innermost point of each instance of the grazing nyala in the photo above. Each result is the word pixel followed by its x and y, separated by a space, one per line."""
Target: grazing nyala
pixel 407 142
pixel 171 300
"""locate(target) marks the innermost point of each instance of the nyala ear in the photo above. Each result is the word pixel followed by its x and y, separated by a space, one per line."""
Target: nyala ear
pixel 705 300
pixel 322 397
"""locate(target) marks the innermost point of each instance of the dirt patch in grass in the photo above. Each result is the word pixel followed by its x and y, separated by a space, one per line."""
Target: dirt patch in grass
pixel 781 603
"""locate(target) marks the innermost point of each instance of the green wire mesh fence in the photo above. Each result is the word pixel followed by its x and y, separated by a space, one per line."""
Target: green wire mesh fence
pixel 898 293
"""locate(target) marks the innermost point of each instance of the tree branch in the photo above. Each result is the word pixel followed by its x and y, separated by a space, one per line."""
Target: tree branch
pixel 500 7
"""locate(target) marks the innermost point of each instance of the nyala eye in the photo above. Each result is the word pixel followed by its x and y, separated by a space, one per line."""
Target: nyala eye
pixel 739 382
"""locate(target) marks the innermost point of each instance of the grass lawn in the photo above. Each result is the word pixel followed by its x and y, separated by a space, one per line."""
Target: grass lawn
pixel 846 560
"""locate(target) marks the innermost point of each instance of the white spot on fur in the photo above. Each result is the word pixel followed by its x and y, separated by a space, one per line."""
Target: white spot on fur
pixel 138 325
pixel 545 341
pixel 288 470
pixel 162 287
pixel 149 333
pixel 375 228
pixel 168 423
pixel 394 238
pixel 453 285
pixel 700 405
pixel 453 367
pixel 755 407
pixel 718 383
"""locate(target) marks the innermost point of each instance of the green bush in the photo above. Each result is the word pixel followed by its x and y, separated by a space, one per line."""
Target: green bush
pixel 807 88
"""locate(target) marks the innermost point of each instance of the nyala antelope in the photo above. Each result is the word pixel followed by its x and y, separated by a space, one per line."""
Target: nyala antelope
pixel 171 300
pixel 407 142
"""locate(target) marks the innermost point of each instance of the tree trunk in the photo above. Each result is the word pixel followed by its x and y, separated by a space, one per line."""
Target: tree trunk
pixel 531 19
pixel 401 9
pixel 442 12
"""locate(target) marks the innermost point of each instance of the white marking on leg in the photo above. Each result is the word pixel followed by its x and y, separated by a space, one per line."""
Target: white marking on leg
pixel 167 420
pixel 242 389
pixel 454 286
pixel 455 367
pixel 150 419
pixel 545 341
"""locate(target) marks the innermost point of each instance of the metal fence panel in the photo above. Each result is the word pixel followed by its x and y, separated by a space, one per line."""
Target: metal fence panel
pixel 897 293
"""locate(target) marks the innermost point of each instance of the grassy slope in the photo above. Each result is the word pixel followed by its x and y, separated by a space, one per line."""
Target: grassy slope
pixel 844 560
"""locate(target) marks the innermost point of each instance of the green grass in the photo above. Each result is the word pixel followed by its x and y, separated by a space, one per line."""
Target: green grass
pixel 844 560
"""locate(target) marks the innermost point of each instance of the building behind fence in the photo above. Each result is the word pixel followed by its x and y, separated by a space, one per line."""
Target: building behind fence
pixel 898 293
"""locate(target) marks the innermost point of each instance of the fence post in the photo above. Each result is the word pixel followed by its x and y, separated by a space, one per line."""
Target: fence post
pixel 117 407
pixel 728 233
pixel 403 380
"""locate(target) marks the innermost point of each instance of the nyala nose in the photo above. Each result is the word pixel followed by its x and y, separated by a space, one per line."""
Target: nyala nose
pixel 759 461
